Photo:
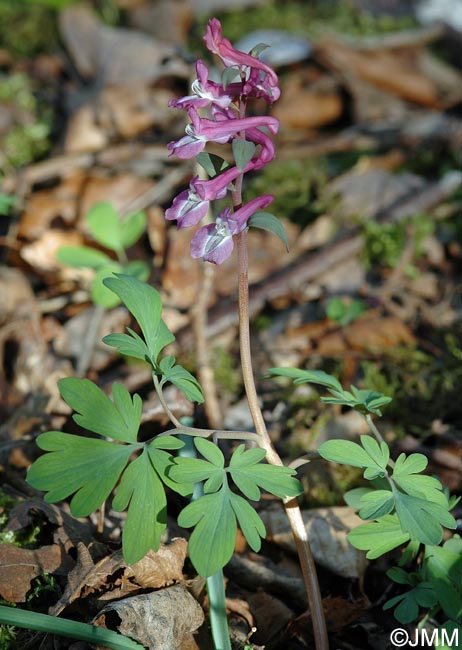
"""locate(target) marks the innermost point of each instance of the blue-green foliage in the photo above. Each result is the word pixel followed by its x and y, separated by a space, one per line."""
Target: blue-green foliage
pixel 408 506
pixel 108 229
pixel 88 468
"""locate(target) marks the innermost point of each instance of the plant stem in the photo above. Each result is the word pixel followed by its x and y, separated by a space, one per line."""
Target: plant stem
pixel 216 582
pixel 291 506
pixel 376 433
pixel 164 404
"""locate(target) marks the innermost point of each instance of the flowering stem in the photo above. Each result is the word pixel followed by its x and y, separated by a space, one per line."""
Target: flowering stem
pixel 291 506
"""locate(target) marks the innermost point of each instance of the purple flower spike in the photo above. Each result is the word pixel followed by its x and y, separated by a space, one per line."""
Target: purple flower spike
pixel 224 122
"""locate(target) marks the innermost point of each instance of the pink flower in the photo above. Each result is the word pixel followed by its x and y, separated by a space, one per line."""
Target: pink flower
pixel 207 92
pixel 214 243
pixel 203 130
pixel 266 79
pixel 188 208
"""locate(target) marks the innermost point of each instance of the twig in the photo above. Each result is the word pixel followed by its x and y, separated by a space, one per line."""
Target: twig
pixel 89 343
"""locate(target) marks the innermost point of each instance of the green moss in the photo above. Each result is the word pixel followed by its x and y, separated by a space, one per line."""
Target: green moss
pixel 26 537
pixel 424 388
pixel 385 243
pixel 27 28
pixel 27 139
pixel 299 184
pixel 8 636
pixel 309 19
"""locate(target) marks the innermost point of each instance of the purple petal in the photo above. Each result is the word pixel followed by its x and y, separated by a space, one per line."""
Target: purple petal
pixel 211 244
pixel 187 147
pixel 187 209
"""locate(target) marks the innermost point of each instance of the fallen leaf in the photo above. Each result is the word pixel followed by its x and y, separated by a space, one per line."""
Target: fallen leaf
pixel 161 619
pixel 394 71
pixel 338 611
pixel 19 566
pixel 368 193
pixel 271 616
pixel 308 108
pixel 45 206
pixel 155 570
pixel 115 54
pixel 119 111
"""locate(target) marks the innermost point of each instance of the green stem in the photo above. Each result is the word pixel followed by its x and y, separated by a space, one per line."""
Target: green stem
pixel 208 433
pixel 376 433
pixel 157 385
pixel 292 509
pixel 216 582
pixel 98 636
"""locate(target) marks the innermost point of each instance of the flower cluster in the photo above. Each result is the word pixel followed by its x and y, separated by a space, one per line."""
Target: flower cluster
pixel 222 120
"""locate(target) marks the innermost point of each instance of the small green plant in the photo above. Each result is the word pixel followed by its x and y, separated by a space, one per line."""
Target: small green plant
pixel 89 468
pixel 112 232
pixel 344 311
pixel 402 506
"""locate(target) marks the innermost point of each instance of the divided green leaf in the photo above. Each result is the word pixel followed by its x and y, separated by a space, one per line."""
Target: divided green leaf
pixel 118 419
pixel 214 514
pixel 307 376
pixel 422 519
pixel 181 378
pixel 407 604
pixel 364 401
pixel 370 455
pixel 250 474
pixel 212 541
pixel 378 537
pixel 267 221
pixel 141 490
pixel 145 304
pixel 376 503
pixel 443 568
pixel 86 466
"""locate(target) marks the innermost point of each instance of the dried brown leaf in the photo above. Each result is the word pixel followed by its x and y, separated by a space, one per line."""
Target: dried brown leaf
pixel 161 619
pixel 19 566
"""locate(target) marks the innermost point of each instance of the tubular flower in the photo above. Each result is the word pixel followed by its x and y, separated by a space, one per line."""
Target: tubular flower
pixel 206 92
pixel 261 74
pixel 214 243
pixel 224 122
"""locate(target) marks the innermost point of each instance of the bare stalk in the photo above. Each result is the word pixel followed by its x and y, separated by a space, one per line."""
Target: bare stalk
pixel 291 506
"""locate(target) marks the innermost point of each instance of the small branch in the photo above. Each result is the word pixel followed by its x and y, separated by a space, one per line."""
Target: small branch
pixel 89 343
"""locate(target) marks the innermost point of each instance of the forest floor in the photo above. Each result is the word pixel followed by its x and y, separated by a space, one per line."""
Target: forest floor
pixel 368 182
